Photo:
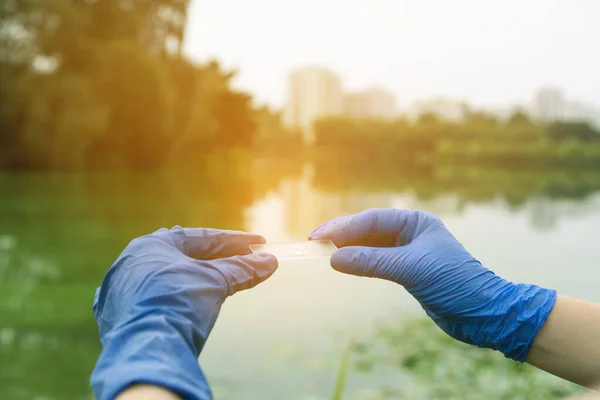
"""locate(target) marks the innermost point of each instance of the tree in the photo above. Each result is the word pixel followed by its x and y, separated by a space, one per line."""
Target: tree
pixel 519 117
pixel 428 118
pixel 578 130
pixel 480 117
pixel 104 83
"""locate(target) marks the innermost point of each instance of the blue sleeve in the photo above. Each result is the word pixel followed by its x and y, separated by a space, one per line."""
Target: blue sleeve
pixel 155 316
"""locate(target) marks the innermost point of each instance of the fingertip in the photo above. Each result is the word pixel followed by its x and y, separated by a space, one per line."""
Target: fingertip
pixel 246 243
pixel 247 237
pixel 267 260
pixel 252 238
pixel 245 272
pixel 356 260
pixel 342 259
pixel 318 232
pixel 265 266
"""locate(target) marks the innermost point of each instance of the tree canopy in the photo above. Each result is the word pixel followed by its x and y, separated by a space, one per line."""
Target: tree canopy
pixel 104 84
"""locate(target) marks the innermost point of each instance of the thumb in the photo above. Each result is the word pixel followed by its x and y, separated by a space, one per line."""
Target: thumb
pixel 245 272
pixel 372 262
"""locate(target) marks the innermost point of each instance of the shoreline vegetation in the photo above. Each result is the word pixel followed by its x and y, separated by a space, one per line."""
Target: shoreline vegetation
pixel 517 144
pixel 444 368
pixel 94 86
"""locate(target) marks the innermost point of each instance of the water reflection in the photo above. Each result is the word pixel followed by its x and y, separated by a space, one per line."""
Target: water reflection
pixel 59 234
pixel 304 316
pixel 318 195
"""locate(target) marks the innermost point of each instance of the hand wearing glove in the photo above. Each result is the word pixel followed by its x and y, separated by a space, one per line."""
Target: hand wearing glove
pixel 466 300
pixel 159 301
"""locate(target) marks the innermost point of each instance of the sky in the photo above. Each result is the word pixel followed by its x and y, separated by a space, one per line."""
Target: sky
pixel 490 53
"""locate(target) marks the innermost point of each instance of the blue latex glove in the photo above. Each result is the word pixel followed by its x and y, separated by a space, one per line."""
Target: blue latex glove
pixel 466 300
pixel 159 301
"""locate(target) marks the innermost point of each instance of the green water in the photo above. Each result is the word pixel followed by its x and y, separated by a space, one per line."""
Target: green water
pixel 59 233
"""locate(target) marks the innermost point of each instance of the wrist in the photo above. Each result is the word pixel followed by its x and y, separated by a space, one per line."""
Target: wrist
pixel 505 317
pixel 143 391
pixel 526 310
pixel 152 350
pixel 158 339
pixel 510 319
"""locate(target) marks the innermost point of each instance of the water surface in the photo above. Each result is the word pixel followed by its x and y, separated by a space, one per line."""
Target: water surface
pixel 284 339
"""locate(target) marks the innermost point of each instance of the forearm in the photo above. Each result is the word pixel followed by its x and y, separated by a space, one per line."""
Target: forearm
pixel 147 392
pixel 568 344
pixel 157 342
pixel 158 303
pixel 152 351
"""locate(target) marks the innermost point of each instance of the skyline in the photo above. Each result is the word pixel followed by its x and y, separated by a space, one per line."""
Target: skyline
pixel 491 54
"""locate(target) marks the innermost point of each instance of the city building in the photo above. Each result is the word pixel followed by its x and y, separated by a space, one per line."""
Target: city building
pixel 549 104
pixel 371 103
pixel 314 93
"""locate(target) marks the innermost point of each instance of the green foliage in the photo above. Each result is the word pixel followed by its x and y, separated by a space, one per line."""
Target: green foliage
pixel 481 118
pixel 103 84
pixel 273 139
pixel 579 131
pixel 479 140
pixel 448 369
pixel 340 384
pixel 468 184
pixel 519 117
pixel 428 118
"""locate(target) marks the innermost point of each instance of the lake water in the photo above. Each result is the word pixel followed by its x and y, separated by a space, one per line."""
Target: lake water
pixel 283 339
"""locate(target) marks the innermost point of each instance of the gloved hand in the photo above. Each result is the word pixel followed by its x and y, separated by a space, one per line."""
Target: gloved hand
pixel 466 300
pixel 159 301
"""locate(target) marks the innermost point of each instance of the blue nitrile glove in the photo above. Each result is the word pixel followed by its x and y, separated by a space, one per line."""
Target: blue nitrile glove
pixel 466 300
pixel 159 301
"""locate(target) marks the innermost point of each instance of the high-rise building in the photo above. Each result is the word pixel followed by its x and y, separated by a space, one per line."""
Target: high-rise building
pixel 314 93
pixel 549 104
pixel 371 103
pixel 355 104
